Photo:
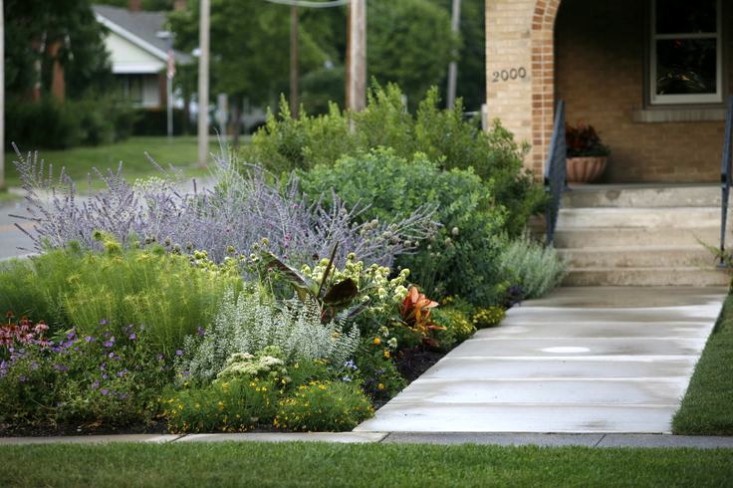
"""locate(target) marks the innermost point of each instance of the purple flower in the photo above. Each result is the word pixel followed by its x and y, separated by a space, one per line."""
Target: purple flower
pixel 122 373
pixel 110 342
pixel 103 322
pixel 71 335
pixel 104 391
pixel 94 385
pixel 61 368
pixel 89 339
pixel 133 336
pixel 113 356
pixel 179 352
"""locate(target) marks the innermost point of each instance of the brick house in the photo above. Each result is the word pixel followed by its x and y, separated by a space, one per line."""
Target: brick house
pixel 650 75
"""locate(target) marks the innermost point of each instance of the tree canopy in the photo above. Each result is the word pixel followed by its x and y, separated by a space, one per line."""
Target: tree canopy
pixel 33 26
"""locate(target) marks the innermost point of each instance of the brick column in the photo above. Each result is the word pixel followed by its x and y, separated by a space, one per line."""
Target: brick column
pixel 520 71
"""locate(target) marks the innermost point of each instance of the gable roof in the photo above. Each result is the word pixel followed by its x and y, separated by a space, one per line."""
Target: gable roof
pixel 139 28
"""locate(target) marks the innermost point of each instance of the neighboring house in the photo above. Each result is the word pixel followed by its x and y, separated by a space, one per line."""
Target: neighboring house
pixel 138 53
pixel 650 75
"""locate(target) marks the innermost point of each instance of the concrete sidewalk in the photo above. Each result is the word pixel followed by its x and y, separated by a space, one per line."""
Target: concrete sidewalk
pixel 582 360
pixel 594 367
pixel 445 438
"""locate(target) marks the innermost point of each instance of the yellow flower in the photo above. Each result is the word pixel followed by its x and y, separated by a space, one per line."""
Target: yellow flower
pixel 387 354
pixel 380 386
pixel 377 341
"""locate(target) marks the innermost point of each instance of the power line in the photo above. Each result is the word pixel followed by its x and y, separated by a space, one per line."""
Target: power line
pixel 307 4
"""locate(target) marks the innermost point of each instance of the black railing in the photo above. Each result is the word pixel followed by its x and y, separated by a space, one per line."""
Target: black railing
pixel 725 177
pixel 555 182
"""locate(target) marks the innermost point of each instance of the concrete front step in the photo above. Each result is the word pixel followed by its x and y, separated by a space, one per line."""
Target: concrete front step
pixel 659 276
pixel 638 257
pixel 600 237
pixel 646 218
pixel 583 196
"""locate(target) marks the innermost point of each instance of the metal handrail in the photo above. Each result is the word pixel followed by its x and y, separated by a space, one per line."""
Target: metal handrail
pixel 555 181
pixel 725 177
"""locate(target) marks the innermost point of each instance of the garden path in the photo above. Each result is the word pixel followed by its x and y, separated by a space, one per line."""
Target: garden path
pixel 581 360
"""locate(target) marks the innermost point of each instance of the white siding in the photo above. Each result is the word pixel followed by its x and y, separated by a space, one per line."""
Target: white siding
pixel 129 58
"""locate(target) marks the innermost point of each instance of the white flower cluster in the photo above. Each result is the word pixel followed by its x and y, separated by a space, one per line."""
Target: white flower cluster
pixel 252 321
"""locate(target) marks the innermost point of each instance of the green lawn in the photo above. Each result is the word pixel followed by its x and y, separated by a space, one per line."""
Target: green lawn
pixel 179 151
pixel 707 408
pixel 368 465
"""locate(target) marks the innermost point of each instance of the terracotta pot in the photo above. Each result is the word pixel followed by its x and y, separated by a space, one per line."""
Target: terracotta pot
pixel 586 169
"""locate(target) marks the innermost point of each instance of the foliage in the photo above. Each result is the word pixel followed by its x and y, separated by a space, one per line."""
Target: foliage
pixel 705 409
pixel 535 268
pixel 443 135
pixel 455 326
pixel 238 213
pixel 377 296
pixel 410 43
pixel 323 406
pixel 375 367
pixel 582 140
pixel 251 321
pixel 171 294
pixel 51 124
pixel 33 27
pixel 111 379
pixel 234 405
pixel 488 317
pixel 463 256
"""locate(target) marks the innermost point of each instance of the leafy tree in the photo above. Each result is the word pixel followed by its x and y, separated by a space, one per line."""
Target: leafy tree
pixel 409 43
pixel 33 26
pixel 250 47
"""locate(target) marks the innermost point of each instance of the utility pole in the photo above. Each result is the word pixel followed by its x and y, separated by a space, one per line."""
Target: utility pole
pixel 294 61
pixel 356 57
pixel 453 66
pixel 203 121
pixel 2 95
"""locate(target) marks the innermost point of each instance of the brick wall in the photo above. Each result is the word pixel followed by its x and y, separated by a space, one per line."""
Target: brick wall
pixel 600 73
pixel 592 56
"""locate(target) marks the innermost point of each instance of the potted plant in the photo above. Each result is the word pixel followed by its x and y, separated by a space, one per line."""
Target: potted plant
pixel 587 156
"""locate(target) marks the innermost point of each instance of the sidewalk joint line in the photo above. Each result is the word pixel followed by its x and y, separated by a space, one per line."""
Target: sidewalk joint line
pixel 603 436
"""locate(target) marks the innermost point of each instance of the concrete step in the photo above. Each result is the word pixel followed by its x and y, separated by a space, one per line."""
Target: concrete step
pixel 580 196
pixel 637 256
pixel 658 276
pixel 576 237
pixel 646 218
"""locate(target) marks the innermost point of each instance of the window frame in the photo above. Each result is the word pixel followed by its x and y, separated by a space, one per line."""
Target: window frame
pixel 685 99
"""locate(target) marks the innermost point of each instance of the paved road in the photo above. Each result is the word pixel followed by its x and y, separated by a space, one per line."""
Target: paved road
pixel 11 238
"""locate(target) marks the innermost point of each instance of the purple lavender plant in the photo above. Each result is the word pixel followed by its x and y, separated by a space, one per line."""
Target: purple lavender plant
pixel 242 209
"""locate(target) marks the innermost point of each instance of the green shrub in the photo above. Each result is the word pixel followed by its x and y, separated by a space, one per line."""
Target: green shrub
pixel 50 124
pixel 534 267
pixel 462 258
pixel 252 320
pixel 488 317
pixel 234 405
pixel 456 326
pixel 107 380
pixel 163 291
pixel 322 406
pixel 443 135
pixel 375 367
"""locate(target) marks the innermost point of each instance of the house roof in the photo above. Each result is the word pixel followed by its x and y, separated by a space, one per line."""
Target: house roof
pixel 139 28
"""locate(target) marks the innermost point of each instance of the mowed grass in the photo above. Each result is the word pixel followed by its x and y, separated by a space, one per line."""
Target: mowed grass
pixel 366 465
pixel 180 152
pixel 707 408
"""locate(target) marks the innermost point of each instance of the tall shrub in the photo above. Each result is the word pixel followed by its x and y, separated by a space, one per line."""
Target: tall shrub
pixel 443 135
pixel 462 256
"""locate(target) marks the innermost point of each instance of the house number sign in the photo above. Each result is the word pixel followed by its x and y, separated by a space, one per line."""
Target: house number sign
pixel 508 74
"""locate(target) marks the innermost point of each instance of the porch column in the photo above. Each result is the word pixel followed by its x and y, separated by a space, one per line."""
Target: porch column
pixel 520 71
